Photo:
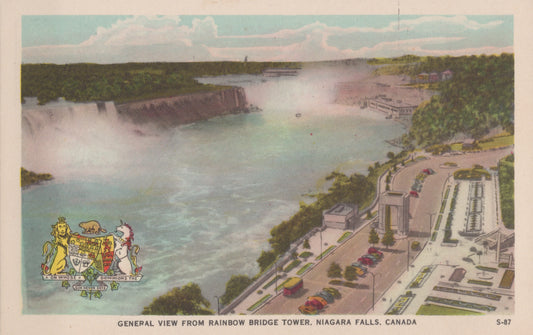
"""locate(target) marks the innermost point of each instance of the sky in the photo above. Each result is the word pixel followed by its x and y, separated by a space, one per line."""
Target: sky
pixel 105 39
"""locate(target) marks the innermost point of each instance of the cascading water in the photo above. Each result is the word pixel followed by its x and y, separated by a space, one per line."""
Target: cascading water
pixel 200 198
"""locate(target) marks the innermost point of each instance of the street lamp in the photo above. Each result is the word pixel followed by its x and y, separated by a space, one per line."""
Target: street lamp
pixel 218 305
pixel 430 220
pixel 321 244
pixel 276 277
pixel 373 291
pixel 407 254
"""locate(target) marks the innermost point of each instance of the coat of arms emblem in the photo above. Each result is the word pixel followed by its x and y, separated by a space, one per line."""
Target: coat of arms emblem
pixel 91 264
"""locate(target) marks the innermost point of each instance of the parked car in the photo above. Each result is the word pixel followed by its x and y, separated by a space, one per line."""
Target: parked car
pixel 317 302
pixel 416 187
pixel 333 291
pixel 307 310
pixel 378 256
pixel 366 261
pixel 321 300
pixel 359 271
pixel 329 298
pixel 359 265
pixel 373 250
pixel 372 257
pixel 413 193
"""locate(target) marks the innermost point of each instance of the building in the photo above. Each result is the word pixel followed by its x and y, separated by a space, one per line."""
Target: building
pixel 341 216
pixel 422 77
pixel 446 75
pixel 396 109
pixel 394 211
pixel 433 77
pixel 280 72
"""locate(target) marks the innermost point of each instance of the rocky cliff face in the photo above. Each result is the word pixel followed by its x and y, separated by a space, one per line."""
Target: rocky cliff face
pixel 187 108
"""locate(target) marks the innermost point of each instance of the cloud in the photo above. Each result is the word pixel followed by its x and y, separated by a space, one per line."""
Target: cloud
pixel 163 38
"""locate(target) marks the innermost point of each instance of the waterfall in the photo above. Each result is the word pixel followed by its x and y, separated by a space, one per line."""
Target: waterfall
pixel 64 138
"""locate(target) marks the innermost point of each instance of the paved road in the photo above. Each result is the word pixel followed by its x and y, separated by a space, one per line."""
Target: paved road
pixel 359 300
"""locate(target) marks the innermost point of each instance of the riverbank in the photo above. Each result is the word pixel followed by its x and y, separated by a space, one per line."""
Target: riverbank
pixel 186 108
pixel 395 87
pixel 29 178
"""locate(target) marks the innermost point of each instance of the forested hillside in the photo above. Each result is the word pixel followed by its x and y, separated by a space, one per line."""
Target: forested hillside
pixel 127 82
pixel 479 97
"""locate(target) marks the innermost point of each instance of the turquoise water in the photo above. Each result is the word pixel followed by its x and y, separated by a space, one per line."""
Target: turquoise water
pixel 200 198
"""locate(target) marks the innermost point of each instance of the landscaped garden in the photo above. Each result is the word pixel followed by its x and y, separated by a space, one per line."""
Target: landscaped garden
pixel 507 279
pixel 422 276
pixel 447 192
pixel 448 228
pixel 442 206
pixel 486 268
pixel 306 254
pixel 400 304
pixel 259 303
pixel 479 282
pixel 304 268
pixel 344 236
pixel 431 309
pixel 437 225
pixel 267 285
pixel 292 265
pixel 280 286
pixel 476 173
pixel 458 303
pixel 327 251
pixel 479 294
pixel 500 141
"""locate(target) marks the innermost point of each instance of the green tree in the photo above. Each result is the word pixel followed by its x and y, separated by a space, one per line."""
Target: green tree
pixel 388 238
pixel 373 237
pixel 349 273
pixel 235 286
pixel 266 259
pixel 334 271
pixel 390 155
pixel 306 244
pixel 186 300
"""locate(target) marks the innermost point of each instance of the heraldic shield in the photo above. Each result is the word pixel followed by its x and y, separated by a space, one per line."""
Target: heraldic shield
pixel 86 251
pixel 91 264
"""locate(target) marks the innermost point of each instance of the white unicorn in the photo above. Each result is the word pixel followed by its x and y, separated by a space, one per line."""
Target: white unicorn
pixel 122 248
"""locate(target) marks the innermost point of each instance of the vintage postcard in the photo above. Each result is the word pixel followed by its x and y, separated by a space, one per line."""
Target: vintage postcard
pixel 224 169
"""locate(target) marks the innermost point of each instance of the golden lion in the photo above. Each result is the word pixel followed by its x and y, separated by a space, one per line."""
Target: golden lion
pixel 61 233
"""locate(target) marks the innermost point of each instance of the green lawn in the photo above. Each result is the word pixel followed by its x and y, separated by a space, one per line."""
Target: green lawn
pixel 430 309
pixel 344 236
pixel 292 265
pixel 306 254
pixel 267 285
pixel 259 302
pixel 281 285
pixel 303 269
pixel 327 251
pixel 497 142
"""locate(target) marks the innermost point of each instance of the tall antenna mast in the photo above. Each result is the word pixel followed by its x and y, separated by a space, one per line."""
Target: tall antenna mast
pixel 398 36
pixel 398 15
